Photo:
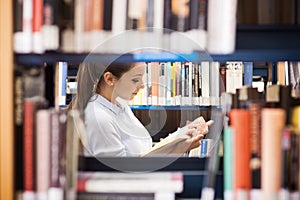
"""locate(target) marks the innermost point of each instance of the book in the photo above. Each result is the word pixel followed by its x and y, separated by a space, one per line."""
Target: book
pixel 42 152
pixel 37 22
pixel 18 130
pixel 240 124
pixel 114 196
pixel 119 16
pixel 121 182
pixel 271 153
pixel 248 73
pixel 205 80
pixel 74 130
pixel 175 143
pixel 50 28
pixel 167 145
pixel 61 70
pixel 221 17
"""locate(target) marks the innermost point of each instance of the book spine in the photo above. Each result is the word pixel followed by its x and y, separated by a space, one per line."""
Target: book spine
pixel 27 26
pixel 50 27
pixel 167 16
pixel 37 22
pixel 214 83
pixel 255 135
pixel 221 17
pixel 248 73
pixel 180 15
pixel 97 15
pixel 194 10
pixel 119 16
pixel 162 84
pixel 132 185
pixel 79 25
pixel 240 123
pixel 134 13
pixel 158 15
pixel 42 153
pixel 101 196
pixel 61 83
pixel 155 82
pixel 149 83
pixel 145 89
pixel 107 14
pixel 222 78
pixel 18 131
pixel 295 121
pixel 56 154
pixel 271 154
pixel 29 148
pixel 286 145
pixel 205 84
pixel 169 83
pixel 74 129
pixel 228 158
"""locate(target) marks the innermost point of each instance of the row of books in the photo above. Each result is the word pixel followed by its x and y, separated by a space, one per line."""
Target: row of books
pixel 188 83
pixel 271 12
pixel 46 164
pixel 261 144
pixel 177 83
pixel 119 26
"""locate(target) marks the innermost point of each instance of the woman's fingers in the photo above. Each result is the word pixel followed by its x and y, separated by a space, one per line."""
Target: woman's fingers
pixel 210 122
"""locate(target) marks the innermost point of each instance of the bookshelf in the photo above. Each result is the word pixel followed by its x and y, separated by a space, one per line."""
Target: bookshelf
pixel 6 101
pixel 253 43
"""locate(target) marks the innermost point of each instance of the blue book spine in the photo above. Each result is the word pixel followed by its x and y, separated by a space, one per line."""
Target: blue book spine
pixel 248 73
pixel 203 148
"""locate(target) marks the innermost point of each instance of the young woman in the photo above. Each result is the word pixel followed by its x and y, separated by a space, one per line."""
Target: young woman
pixel 111 127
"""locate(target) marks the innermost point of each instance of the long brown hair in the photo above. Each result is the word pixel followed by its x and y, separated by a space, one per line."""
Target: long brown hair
pixel 90 78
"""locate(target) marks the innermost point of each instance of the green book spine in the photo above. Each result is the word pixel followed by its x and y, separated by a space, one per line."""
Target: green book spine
pixel 228 159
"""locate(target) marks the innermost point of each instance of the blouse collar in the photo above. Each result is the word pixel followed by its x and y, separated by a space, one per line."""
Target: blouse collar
pixel 117 108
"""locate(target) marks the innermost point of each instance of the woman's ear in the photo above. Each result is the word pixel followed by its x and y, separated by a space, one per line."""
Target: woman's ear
pixel 109 78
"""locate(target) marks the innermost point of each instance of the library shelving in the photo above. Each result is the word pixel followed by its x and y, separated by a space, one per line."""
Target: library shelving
pixel 253 43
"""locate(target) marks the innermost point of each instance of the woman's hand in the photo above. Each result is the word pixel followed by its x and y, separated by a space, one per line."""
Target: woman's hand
pixel 200 125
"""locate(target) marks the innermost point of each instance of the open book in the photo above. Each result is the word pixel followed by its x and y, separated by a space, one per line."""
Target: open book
pixel 174 141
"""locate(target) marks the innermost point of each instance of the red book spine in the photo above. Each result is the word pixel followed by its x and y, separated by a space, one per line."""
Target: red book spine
pixel 29 109
pixel 240 122
pixel 37 20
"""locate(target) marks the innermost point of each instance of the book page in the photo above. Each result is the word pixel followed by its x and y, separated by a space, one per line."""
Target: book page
pixel 168 144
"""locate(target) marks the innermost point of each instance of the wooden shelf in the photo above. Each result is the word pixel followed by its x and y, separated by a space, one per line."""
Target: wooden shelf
pixel 6 101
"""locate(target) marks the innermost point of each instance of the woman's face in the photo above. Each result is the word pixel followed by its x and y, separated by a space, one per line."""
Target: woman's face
pixel 130 82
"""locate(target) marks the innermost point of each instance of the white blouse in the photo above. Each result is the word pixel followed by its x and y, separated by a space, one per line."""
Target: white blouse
pixel 113 130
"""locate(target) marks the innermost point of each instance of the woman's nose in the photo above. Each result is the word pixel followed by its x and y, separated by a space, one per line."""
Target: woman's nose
pixel 142 86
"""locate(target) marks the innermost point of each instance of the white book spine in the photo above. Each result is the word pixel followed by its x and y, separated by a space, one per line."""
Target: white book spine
pixel 149 84
pixel 119 16
pixel 168 84
pixel 205 100
pixel 133 185
pixel 61 81
pixel 27 26
pixel 159 15
pixel 190 91
pixel 134 9
pixel 145 89
pixel 43 152
pixel 221 26
pixel 214 83
pixel 79 25
pixel 162 84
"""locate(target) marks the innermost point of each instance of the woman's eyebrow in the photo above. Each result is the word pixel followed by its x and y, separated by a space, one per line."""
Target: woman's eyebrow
pixel 138 75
